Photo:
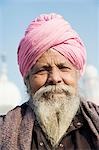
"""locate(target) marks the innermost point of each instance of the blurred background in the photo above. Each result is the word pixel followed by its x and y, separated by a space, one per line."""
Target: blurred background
pixel 16 15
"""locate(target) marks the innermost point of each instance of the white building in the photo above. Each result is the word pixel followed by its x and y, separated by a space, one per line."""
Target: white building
pixel 91 84
pixel 9 93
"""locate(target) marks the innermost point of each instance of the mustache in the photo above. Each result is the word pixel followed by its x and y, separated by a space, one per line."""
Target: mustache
pixel 54 89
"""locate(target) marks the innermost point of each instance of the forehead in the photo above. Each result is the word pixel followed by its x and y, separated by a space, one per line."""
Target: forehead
pixel 52 57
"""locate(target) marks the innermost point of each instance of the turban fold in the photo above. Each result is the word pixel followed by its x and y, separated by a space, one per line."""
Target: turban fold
pixel 50 31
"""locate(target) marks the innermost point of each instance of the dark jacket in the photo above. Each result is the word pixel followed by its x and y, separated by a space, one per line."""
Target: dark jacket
pixel 18 130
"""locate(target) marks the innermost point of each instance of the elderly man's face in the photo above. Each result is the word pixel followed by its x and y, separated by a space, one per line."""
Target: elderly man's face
pixel 52 68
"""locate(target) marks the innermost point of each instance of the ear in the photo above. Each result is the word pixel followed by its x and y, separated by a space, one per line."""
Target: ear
pixel 27 83
pixel 78 74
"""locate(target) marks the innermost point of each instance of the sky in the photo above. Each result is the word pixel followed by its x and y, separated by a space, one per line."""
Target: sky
pixel 16 15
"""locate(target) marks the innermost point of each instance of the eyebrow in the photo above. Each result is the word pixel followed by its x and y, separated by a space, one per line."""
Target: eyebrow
pixel 46 66
pixel 36 68
pixel 62 64
pixel 49 66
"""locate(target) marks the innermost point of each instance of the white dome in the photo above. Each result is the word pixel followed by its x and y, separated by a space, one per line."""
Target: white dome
pixel 91 84
pixel 9 94
pixel 91 71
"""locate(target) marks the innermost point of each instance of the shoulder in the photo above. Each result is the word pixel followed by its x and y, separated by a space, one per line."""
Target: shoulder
pixel 18 111
pixel 90 106
pixel 90 111
pixel 15 122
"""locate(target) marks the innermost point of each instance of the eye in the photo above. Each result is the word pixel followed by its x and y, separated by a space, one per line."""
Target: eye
pixel 64 68
pixel 41 71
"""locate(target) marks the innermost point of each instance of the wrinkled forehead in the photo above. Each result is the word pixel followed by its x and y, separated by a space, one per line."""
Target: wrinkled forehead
pixel 52 57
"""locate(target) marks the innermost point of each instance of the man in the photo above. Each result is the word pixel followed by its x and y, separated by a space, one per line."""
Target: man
pixel 51 58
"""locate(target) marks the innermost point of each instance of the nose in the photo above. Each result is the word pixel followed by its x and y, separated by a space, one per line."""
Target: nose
pixel 54 77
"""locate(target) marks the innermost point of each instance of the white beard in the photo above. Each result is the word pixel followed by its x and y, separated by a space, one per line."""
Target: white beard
pixel 55 108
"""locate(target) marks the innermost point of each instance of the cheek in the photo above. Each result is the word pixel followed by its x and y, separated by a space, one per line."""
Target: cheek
pixel 37 81
pixel 70 79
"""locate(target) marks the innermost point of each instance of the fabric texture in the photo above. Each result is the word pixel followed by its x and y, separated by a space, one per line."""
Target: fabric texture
pixel 17 126
pixel 50 31
pixel 76 138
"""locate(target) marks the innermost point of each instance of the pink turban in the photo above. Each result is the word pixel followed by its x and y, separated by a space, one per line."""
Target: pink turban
pixel 50 31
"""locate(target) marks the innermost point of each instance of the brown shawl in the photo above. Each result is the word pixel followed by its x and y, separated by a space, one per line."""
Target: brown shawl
pixel 17 126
